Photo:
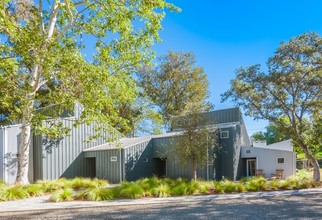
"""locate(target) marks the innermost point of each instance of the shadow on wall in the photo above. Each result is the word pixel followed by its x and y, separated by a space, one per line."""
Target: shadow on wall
pixel 11 161
pixel 49 144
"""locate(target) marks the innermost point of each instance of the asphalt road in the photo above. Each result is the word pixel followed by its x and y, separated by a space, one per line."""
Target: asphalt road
pixel 278 207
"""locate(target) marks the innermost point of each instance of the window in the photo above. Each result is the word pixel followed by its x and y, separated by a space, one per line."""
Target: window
pixel 224 134
pixel 280 160
pixel 113 159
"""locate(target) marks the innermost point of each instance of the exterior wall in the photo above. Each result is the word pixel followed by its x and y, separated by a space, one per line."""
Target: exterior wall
pixel 138 161
pixel 9 147
pixel 164 148
pixel 2 153
pixel 226 167
pixel 216 117
pixel 62 157
pixel 105 168
pixel 132 163
pixel 266 159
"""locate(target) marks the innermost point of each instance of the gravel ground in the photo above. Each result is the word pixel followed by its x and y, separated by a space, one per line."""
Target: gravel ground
pixel 278 207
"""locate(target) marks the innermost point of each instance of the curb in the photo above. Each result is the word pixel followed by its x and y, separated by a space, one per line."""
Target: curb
pixel 41 203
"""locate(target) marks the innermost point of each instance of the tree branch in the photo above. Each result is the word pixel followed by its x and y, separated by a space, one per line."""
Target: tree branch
pixel 53 18
pixel 70 21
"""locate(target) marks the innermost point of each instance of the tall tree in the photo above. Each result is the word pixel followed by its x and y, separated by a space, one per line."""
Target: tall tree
pixel 291 88
pixel 196 143
pixel 175 85
pixel 273 134
pixel 42 48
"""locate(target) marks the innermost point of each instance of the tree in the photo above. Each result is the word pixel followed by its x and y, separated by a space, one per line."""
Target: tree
pixel 196 143
pixel 42 48
pixel 290 89
pixel 175 85
pixel 140 118
pixel 272 135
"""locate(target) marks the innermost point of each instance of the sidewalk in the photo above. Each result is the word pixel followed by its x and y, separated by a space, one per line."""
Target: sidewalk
pixel 41 203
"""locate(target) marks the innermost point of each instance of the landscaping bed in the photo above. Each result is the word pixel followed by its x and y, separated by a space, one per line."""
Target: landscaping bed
pixel 99 190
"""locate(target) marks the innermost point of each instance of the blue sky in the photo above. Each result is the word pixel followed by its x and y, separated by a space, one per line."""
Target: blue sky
pixel 225 35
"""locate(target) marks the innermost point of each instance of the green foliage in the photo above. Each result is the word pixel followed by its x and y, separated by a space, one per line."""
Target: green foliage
pixel 227 186
pixel 196 144
pixel 256 184
pixel 62 195
pixel 273 134
pixel 162 190
pixel 131 190
pixel 175 85
pixel 43 61
pixel 14 192
pixel 34 190
pixel 53 185
pixel 96 194
pixel 288 95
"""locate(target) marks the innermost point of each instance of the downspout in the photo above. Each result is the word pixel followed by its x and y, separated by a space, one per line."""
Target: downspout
pixel 120 165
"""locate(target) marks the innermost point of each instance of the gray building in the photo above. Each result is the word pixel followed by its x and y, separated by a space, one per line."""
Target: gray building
pixel 128 159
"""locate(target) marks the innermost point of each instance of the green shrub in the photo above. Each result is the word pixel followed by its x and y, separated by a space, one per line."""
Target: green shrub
pixel 96 194
pixel 229 186
pixel 34 190
pixel 98 183
pixel 179 189
pixel 162 190
pixel 131 190
pixel 256 184
pixel 274 184
pixel 53 185
pixel 60 195
pixel 303 174
pixel 14 192
pixel 219 188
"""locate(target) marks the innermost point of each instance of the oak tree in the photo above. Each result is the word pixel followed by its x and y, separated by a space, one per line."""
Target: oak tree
pixel 291 88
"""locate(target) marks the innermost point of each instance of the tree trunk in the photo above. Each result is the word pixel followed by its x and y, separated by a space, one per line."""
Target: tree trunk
pixel 316 167
pixel 313 162
pixel 194 170
pixel 24 146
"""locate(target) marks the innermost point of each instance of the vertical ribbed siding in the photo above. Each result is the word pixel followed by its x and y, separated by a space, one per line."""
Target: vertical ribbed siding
pixel 215 117
pixel 105 168
pixel 63 158
pixel 2 143
pixel 139 161
pixel 164 148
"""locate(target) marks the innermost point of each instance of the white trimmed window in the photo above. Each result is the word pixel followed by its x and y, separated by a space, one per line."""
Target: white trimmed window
pixel 280 160
pixel 224 134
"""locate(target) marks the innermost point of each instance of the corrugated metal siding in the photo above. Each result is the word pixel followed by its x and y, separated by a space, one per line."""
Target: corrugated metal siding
pixel 216 117
pixel 105 168
pixel 2 143
pixel 164 148
pixel 62 157
pixel 226 153
pixel 139 161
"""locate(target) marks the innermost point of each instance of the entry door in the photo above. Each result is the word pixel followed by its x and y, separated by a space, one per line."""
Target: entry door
pixel 251 167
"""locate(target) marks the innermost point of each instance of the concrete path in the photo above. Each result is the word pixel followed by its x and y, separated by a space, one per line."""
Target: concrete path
pixel 41 203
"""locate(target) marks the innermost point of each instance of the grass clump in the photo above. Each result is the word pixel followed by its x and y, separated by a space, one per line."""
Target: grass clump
pixel 97 194
pixel 34 190
pixel 162 190
pixel 62 195
pixel 256 184
pixel 131 190
pixel 14 192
